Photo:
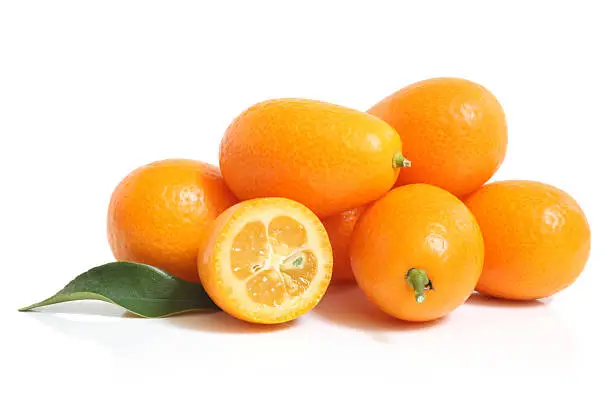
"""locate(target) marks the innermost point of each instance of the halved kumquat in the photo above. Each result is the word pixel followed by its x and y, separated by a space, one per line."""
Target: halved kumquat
pixel 266 260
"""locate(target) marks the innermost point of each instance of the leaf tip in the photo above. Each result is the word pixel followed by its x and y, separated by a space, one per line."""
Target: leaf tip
pixel 29 307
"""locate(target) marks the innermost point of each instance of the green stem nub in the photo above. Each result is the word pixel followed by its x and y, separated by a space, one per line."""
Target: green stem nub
pixel 399 161
pixel 418 280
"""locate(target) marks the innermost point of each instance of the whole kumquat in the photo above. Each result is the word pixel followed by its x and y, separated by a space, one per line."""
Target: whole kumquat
pixel 537 239
pixel 327 157
pixel 157 214
pixel 417 252
pixel 453 130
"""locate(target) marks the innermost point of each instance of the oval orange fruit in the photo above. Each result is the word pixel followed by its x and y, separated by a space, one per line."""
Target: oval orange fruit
pixel 327 157
pixel 158 213
pixel 537 239
pixel 266 260
pixel 453 130
pixel 339 228
pixel 417 252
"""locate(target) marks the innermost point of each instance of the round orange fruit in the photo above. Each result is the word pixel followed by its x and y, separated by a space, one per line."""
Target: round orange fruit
pixel 537 239
pixel 417 252
pixel 339 228
pixel 266 260
pixel 158 213
pixel 453 130
pixel 327 157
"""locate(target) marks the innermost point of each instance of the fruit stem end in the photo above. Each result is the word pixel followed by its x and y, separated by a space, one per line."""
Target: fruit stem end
pixel 417 279
pixel 399 161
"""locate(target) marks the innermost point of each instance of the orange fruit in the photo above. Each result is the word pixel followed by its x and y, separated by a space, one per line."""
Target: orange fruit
pixel 325 156
pixel 339 228
pixel 417 252
pixel 537 239
pixel 157 214
pixel 453 130
pixel 266 260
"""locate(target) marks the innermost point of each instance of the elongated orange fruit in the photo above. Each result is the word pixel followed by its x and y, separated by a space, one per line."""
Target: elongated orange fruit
pixel 327 157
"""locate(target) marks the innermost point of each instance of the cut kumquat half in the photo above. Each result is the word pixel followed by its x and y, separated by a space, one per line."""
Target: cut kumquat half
pixel 266 260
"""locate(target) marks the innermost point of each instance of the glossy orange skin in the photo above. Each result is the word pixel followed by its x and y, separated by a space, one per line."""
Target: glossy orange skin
pixel 339 229
pixel 327 157
pixel 537 239
pixel 158 213
pixel 417 226
pixel 453 131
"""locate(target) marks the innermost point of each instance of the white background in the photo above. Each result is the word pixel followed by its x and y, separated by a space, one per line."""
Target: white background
pixel 91 90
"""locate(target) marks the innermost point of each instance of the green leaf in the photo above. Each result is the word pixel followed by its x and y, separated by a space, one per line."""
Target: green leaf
pixel 142 289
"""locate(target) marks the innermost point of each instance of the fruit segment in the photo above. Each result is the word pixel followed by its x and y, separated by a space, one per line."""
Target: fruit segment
pixel 250 249
pixel 298 272
pixel 286 235
pixel 267 287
